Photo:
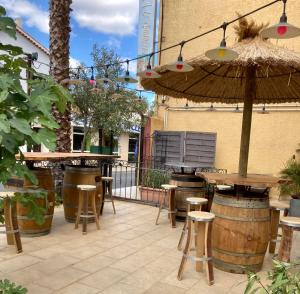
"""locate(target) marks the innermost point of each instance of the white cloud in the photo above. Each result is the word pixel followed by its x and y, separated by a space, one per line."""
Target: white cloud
pixel 118 17
pixel 113 42
pixel 74 62
pixel 30 13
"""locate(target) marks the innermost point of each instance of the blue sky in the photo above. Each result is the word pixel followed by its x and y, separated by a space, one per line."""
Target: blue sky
pixel 110 23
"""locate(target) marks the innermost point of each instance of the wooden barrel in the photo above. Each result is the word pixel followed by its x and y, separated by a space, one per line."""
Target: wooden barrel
pixel 240 232
pixel 29 226
pixel 187 186
pixel 78 175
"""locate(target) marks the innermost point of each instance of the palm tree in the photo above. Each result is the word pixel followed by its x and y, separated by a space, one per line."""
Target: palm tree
pixel 59 63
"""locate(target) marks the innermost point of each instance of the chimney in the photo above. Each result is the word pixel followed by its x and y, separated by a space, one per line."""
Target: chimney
pixel 19 22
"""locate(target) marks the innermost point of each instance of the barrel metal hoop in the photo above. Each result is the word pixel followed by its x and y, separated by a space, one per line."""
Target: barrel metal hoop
pixel 194 258
pixel 242 219
pixel 236 268
pixel 23 217
pixel 241 203
pixel 246 255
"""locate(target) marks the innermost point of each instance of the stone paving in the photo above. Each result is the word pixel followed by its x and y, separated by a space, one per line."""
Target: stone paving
pixel 129 255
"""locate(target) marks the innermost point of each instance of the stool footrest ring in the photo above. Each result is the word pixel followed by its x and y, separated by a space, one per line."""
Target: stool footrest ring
pixel 194 258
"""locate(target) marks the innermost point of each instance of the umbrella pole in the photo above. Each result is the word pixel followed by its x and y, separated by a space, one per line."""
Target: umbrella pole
pixel 250 91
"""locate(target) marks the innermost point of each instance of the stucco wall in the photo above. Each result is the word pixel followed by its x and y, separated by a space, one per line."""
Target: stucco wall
pixel 123 146
pixel 271 144
pixel 275 136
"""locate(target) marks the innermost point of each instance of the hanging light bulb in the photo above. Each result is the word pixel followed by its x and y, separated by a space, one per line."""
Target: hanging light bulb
pixel 263 111
pixel 211 108
pixel 92 79
pixel 222 53
pixel 186 104
pixel 237 109
pixel 149 73
pixel 74 81
pixel 105 80
pixel 180 65
pixel 127 78
pixel 281 30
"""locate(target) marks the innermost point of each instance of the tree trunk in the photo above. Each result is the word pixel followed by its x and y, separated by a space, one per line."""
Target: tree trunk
pixel 111 143
pixel 100 140
pixel 59 64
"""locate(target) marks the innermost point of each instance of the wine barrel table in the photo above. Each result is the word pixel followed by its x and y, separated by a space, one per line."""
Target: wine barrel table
pixel 78 175
pixel 240 232
pixel 28 226
pixel 188 185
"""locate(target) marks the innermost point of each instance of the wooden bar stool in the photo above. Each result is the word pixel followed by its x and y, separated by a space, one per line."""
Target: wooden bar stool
pixel 10 221
pixel 275 208
pixel 87 194
pixel 289 224
pixel 169 190
pixel 202 223
pixel 107 192
pixel 193 203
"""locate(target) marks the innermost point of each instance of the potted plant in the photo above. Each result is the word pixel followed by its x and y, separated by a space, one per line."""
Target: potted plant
pixel 291 187
pixel 284 279
pixel 7 287
pixel 152 180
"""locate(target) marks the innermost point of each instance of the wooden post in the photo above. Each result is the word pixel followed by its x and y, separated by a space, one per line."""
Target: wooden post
pixel 250 92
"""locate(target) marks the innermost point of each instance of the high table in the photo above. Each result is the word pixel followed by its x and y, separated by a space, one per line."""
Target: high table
pixel 47 164
pixel 241 229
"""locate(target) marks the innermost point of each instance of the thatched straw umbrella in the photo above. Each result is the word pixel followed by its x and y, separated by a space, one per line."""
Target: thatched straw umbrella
pixel 262 73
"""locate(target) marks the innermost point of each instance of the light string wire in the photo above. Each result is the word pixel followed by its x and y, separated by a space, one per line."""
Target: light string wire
pixel 180 43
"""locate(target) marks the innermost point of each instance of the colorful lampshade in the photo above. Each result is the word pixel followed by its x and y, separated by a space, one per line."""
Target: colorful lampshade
pixel 105 81
pixel 149 73
pixel 281 30
pixel 221 53
pixel 179 66
pixel 127 78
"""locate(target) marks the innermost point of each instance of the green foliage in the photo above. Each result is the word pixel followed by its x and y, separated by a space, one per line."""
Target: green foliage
pixel 7 287
pixel 155 178
pixel 107 108
pixel 285 279
pixel 292 173
pixel 20 111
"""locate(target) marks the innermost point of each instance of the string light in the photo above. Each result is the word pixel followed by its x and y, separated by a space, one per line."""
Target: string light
pixel 263 111
pixel 149 73
pixel 222 53
pixel 211 108
pixel 237 108
pixel 180 65
pixel 127 78
pixel 281 30
pixel 106 80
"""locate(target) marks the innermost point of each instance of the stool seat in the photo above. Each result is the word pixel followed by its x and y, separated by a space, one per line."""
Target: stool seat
pixel 224 187
pixel 107 178
pixel 291 221
pixel 168 187
pixel 279 205
pixel 201 216
pixel 196 200
pixel 86 187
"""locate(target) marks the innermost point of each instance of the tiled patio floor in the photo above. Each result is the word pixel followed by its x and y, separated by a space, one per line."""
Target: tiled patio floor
pixel 128 255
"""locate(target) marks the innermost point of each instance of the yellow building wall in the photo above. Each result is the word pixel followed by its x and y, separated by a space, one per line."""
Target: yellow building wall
pixel 275 136
pixel 271 144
